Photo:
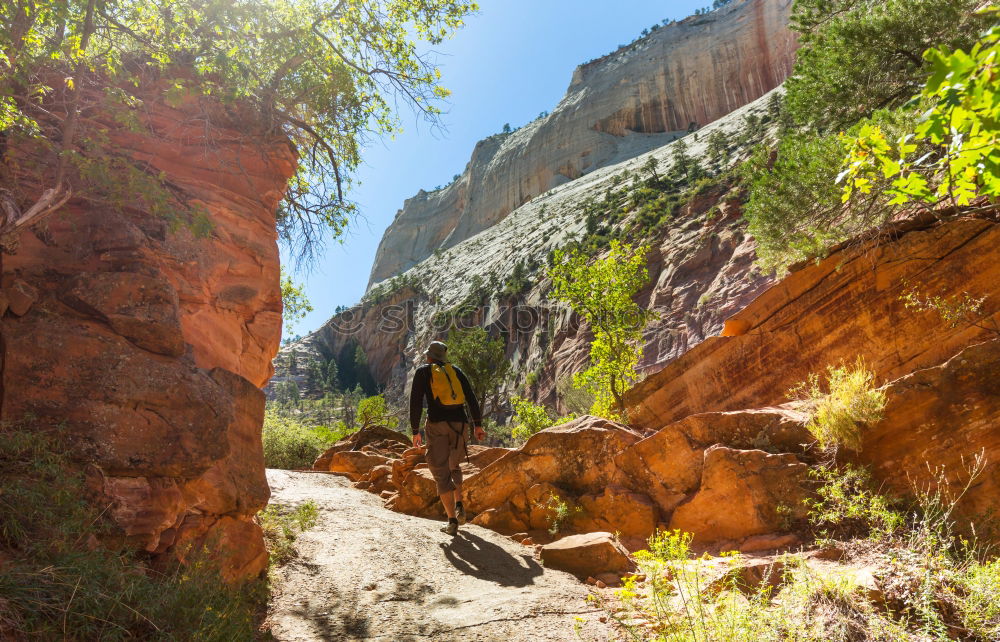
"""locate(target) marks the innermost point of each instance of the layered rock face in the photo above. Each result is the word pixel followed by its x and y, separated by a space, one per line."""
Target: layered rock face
pixel 149 345
pixel 633 100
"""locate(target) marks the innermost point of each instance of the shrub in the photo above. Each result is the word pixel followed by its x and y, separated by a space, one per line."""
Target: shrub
pixel 851 399
pixel 292 444
pixel 846 505
pixel 559 510
pixel 530 418
pixel 282 525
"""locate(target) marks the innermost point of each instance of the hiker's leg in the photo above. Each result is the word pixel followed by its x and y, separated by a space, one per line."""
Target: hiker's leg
pixel 448 499
pixel 457 455
pixel 458 491
pixel 438 462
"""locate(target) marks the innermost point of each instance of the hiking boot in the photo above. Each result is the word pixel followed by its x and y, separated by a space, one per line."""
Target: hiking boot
pixel 460 512
pixel 451 528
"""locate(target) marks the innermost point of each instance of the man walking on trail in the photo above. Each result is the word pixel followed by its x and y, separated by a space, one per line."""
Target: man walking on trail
pixel 446 391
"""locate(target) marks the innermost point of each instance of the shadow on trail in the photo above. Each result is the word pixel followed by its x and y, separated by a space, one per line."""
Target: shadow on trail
pixel 484 560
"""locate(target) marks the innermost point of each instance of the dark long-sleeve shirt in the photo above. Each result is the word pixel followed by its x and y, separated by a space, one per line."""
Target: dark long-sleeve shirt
pixel 420 393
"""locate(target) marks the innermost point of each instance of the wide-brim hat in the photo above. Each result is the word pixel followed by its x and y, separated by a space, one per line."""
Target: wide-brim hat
pixel 437 351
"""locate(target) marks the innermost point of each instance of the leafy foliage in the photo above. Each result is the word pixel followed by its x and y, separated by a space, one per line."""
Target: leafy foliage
pixel 374 411
pixel 602 293
pixel 846 506
pixel 325 74
pixel 559 510
pixel 291 443
pixel 294 302
pixel 531 418
pixel 850 400
pixel 795 210
pixel 962 127
pixel 860 56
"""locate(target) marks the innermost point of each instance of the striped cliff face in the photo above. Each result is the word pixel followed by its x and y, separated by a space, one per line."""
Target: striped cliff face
pixel 616 107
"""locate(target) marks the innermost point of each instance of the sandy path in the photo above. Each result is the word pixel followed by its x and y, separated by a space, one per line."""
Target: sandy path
pixel 367 573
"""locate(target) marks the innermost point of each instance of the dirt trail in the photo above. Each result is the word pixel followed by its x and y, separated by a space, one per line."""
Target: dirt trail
pixel 367 573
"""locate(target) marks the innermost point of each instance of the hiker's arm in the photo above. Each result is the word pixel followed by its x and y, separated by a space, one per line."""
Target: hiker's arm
pixel 417 400
pixel 470 398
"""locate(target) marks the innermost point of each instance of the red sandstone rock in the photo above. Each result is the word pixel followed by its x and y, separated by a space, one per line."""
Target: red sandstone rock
pixel 847 305
pixel 390 440
pixel 149 344
pixel 587 555
pixel 743 493
pixel 20 296
pixel 353 464
pixel 940 419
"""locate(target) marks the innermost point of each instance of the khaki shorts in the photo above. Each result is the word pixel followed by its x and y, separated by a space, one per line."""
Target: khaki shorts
pixel 445 451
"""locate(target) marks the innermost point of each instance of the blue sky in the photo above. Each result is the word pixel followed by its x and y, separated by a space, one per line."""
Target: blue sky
pixel 511 61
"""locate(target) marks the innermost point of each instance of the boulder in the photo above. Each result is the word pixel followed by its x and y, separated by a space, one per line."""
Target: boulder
pixel 353 464
pixel 743 493
pixel 589 554
pixel 417 495
pixel 633 516
pixel 20 296
pixel 369 435
pixel 577 456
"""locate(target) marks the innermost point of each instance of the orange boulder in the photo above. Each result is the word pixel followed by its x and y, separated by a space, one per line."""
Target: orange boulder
pixel 743 493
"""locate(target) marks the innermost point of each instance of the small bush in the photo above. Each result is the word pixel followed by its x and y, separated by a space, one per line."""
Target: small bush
pixel 559 510
pixel 530 418
pixel 282 525
pixel 376 411
pixel 846 506
pixel 292 444
pixel 850 400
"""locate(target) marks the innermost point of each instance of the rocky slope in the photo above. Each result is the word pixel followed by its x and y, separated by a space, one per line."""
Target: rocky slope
pixel 687 73
pixel 148 345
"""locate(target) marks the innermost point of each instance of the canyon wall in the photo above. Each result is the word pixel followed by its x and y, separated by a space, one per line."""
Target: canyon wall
pixel 619 106
pixel 146 346
pixel 700 265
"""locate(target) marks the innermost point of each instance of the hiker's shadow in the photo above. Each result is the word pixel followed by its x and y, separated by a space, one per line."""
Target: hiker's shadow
pixel 475 556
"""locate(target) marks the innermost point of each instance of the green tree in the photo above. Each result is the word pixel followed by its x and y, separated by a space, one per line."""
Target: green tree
pixel 287 393
pixel 685 168
pixel 324 74
pixel 961 127
pixel 650 166
pixel 602 293
pixel 717 148
pixel 859 56
pixel 375 411
pixel 294 302
pixel 484 361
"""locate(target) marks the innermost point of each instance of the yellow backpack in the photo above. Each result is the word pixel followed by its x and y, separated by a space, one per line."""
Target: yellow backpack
pixel 445 386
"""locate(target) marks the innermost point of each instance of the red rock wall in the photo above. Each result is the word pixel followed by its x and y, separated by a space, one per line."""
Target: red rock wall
pixel 846 306
pixel 149 345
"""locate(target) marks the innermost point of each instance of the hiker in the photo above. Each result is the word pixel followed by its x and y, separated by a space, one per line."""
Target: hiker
pixel 447 391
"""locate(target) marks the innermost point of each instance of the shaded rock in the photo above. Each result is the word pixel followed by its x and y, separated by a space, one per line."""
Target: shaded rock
pixel 743 493
pixel 148 344
pixel 20 296
pixel 141 308
pixel 633 516
pixel 586 555
pixel 769 542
